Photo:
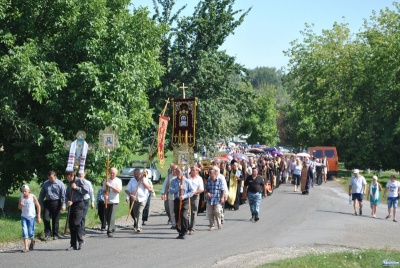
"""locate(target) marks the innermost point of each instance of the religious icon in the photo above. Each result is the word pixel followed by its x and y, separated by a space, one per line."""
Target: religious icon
pixel 238 173
pixel 183 158
pixel 108 140
pixel 183 121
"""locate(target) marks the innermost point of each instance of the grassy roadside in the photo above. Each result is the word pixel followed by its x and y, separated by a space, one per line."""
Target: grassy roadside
pixel 367 258
pixel 10 221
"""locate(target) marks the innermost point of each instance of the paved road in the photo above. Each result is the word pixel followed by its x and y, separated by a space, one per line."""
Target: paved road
pixel 290 224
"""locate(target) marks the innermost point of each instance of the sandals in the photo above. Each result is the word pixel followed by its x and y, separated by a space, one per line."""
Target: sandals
pixel 24 250
pixel 388 216
pixel 395 220
pixel 355 214
pixel 32 245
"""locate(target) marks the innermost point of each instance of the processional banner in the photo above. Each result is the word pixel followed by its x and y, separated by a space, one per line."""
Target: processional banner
pixel 162 130
pixel 184 122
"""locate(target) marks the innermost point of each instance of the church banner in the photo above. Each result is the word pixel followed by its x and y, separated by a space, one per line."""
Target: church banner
pixel 162 130
pixel 184 122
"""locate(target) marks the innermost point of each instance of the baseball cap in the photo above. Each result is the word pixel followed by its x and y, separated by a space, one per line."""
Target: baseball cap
pixel 24 187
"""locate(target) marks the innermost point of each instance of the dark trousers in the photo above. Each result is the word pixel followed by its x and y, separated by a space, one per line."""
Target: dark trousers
pixel 75 220
pixel 85 210
pixel 166 207
pixel 183 216
pixel 110 212
pixel 51 212
pixel 146 210
pixel 194 203
pixel 278 179
pixel 132 213
pixel 100 211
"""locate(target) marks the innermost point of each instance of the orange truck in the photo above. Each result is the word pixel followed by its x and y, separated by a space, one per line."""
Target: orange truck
pixel 331 155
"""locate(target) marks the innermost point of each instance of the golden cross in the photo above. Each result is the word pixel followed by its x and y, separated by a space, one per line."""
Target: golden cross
pixel 183 88
pixel 165 108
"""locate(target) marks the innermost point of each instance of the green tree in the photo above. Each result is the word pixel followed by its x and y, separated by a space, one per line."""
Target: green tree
pixel 268 82
pixel 345 88
pixel 191 55
pixel 67 66
pixel 260 121
pixel 325 71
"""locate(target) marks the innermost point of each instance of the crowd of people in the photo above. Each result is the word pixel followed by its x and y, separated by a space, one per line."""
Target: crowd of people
pixel 211 189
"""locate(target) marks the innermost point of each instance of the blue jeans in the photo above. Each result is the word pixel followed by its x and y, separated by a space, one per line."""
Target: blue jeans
pixel 254 202
pixel 392 202
pixel 28 227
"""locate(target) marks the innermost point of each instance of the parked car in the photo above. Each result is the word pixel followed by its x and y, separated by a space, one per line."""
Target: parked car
pixel 152 172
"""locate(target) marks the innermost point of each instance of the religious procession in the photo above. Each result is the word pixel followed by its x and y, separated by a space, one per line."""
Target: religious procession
pixel 211 185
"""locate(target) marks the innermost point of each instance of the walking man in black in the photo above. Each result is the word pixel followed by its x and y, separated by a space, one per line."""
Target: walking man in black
pixel 52 199
pixel 76 190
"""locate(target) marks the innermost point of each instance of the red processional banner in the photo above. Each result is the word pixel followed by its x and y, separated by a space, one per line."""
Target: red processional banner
pixel 184 122
pixel 162 130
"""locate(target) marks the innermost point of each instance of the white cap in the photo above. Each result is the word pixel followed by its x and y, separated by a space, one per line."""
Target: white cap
pixel 24 187
pixel 356 171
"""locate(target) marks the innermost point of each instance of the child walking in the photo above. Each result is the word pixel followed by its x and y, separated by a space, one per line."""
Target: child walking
pixel 27 205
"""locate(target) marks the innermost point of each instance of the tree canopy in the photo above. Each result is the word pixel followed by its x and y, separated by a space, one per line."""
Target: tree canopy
pixel 75 65
pixel 344 90
pixel 67 66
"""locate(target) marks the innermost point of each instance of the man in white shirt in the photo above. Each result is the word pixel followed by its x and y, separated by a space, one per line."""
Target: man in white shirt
pixel 357 190
pixel 111 189
pixel 137 192
pixel 198 187
pixel 392 200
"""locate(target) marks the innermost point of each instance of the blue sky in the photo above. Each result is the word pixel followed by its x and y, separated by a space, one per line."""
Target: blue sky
pixel 272 24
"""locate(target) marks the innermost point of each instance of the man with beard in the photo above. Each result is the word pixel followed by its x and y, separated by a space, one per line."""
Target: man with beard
pixel 235 178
